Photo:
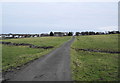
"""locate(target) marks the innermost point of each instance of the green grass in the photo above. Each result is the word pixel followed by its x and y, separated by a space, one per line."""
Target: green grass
pixel 99 42
pixel 40 41
pixel 14 56
pixel 0 57
pixel 95 66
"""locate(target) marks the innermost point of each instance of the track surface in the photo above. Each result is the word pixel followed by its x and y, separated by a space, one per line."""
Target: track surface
pixel 52 67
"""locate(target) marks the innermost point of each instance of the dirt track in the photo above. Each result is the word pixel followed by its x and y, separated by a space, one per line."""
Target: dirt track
pixel 52 67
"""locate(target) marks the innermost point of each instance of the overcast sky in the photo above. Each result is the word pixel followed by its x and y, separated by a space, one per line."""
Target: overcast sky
pixel 26 17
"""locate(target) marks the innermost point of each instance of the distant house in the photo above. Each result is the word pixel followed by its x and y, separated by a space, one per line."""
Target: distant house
pixel 6 35
pixel 115 32
pixel 65 33
pixel 20 36
pixel 0 35
pixel 31 35
pixel 35 35
pixel 60 33
pixel 3 35
pixel 16 36
pixel 44 34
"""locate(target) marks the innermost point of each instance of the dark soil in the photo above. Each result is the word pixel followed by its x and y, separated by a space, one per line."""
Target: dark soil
pixel 91 50
pixel 26 44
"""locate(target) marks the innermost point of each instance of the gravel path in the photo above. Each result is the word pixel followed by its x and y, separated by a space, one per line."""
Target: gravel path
pixel 52 67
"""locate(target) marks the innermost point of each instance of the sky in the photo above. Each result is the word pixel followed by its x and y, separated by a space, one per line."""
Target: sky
pixel 43 17
pixel 59 0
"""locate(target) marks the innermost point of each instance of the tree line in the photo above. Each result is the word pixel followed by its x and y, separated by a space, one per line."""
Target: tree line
pixel 96 33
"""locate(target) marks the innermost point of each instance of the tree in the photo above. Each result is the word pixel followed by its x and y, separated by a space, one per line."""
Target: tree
pixel 92 33
pixel 70 34
pixel 86 33
pixel 77 33
pixel 97 33
pixel 51 33
pixel 82 33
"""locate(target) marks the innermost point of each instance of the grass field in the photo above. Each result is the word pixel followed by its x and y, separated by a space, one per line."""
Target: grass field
pixel 0 57
pixel 95 66
pixel 40 41
pixel 15 56
pixel 97 42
